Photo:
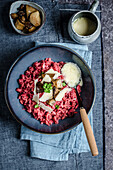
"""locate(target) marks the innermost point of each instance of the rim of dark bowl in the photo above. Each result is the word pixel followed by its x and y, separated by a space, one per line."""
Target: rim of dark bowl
pixel 6 83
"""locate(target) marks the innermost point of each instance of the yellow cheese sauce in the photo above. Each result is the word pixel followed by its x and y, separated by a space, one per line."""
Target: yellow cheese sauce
pixel 84 26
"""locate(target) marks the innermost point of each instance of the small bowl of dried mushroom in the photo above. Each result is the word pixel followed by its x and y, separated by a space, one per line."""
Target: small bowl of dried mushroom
pixel 26 17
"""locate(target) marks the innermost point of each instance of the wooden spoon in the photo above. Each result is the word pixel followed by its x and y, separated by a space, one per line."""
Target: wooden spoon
pixel 87 127
pixel 84 116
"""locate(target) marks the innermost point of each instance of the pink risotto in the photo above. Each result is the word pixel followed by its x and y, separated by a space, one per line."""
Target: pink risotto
pixel 44 93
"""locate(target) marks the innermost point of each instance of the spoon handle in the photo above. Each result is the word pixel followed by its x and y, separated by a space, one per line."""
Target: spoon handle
pixel 89 132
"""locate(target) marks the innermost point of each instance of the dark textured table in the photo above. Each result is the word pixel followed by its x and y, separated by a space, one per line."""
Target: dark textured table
pixel 18 48
pixel 107 34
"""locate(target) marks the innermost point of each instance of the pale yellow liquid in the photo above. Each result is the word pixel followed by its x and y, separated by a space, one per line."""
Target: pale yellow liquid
pixel 84 26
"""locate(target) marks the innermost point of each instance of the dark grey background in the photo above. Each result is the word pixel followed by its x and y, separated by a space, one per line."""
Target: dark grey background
pixel 14 154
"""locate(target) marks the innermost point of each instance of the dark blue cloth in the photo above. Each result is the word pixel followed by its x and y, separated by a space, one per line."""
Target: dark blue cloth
pixel 14 153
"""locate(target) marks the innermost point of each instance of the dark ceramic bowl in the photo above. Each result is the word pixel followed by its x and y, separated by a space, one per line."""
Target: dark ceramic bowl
pixel 13 9
pixel 57 53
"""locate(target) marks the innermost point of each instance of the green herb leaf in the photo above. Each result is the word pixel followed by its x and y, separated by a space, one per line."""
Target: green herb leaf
pixel 41 73
pixel 46 90
pixel 57 106
pixel 45 86
pixel 63 84
pixel 49 84
pixel 36 106
pixel 50 88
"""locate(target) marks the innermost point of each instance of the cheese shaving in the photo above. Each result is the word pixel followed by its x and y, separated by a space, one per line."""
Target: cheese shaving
pixel 46 108
pixel 51 71
pixel 46 96
pixel 62 93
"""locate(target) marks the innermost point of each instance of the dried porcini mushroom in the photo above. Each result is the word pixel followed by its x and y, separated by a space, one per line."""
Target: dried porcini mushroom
pixel 19 25
pixel 55 91
pixel 21 13
pixel 35 18
pixel 32 29
pixel 57 83
pixel 29 10
pixel 14 15
pixel 51 102
pixel 28 25
pixel 22 7
pixel 22 19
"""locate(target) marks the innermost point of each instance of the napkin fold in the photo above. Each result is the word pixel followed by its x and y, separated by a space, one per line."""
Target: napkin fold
pixel 57 147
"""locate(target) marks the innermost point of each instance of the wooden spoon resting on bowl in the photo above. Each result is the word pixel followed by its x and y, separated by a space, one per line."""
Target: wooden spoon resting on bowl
pixel 73 78
pixel 87 127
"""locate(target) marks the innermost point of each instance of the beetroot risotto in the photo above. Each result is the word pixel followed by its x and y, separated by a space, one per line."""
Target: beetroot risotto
pixel 45 93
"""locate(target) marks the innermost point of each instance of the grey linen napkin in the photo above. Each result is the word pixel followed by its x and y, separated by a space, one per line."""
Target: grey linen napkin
pixel 57 147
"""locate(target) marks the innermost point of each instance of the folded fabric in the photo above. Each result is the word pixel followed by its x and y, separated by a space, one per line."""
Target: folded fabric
pixel 57 147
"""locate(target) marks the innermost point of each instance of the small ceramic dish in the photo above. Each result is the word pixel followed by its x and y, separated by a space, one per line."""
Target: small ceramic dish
pixel 13 9
pixel 81 39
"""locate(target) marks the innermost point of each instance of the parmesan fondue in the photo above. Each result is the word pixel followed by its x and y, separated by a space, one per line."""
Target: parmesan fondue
pixel 84 26
pixel 72 74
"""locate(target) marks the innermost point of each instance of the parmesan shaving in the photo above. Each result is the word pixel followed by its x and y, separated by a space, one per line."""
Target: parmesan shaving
pixel 46 108
pixel 36 98
pixel 62 93
pixel 46 96
pixel 47 78
pixel 35 81
pixel 51 71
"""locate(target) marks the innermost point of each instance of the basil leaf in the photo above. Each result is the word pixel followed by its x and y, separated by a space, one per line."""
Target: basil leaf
pixel 63 84
pixel 57 106
pixel 36 106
